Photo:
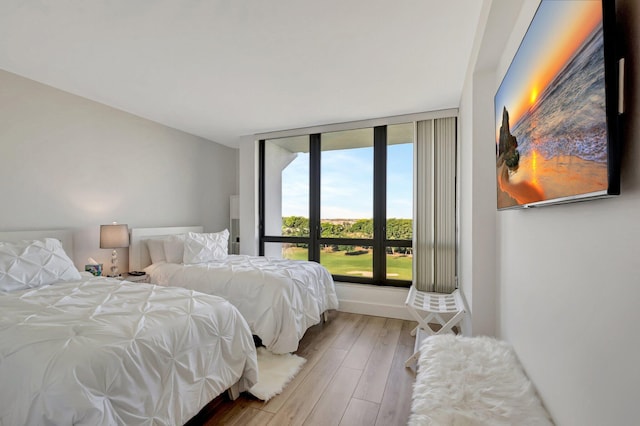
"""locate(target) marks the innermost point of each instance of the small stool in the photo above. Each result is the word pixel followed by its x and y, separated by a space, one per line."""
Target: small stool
pixel 425 307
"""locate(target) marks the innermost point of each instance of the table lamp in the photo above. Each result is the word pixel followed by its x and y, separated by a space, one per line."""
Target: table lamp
pixel 114 236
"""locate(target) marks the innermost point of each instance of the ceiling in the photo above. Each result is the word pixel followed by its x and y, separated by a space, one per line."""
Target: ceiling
pixel 223 69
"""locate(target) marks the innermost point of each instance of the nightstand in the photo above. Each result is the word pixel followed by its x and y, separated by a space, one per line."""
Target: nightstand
pixel 136 278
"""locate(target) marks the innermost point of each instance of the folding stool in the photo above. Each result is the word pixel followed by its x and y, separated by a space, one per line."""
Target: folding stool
pixel 426 306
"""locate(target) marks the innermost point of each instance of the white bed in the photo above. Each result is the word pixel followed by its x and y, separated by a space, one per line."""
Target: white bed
pixel 99 351
pixel 279 298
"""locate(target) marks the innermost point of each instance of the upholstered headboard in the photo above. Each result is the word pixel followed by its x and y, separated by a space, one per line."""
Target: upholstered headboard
pixel 64 235
pixel 139 253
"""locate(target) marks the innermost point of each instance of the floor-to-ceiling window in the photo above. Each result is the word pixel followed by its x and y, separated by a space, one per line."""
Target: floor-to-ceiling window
pixel 344 199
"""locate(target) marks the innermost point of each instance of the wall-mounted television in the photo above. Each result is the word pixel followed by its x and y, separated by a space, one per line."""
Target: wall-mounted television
pixel 556 110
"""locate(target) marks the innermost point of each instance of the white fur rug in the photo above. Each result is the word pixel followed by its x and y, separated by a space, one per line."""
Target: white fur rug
pixel 274 373
pixel 472 381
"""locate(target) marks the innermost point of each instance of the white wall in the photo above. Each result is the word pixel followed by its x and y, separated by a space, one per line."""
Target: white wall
pixel 477 205
pixel 568 277
pixel 67 162
pixel 249 232
pixel 477 251
pixel 276 160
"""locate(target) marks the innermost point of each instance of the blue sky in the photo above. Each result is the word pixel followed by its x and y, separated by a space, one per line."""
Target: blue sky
pixel 347 184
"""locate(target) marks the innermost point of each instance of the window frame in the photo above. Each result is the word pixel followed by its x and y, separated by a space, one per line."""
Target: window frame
pixel 379 242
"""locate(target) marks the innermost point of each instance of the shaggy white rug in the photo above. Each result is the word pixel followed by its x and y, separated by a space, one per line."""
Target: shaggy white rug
pixel 473 381
pixel 274 373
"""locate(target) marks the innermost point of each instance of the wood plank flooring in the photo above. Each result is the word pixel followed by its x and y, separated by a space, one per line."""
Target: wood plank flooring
pixel 354 375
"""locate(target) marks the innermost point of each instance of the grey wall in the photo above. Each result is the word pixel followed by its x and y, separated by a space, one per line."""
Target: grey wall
pixel 567 277
pixel 67 162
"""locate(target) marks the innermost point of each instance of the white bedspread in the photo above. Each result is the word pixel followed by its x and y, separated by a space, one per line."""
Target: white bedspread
pixel 279 298
pixel 104 352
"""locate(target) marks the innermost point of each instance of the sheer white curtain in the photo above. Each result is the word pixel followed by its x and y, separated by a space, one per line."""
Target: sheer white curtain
pixel 434 252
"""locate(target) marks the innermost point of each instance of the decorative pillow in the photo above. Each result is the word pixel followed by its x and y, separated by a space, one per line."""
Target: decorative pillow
pixel 200 248
pixel 34 263
pixel 174 248
pixel 156 250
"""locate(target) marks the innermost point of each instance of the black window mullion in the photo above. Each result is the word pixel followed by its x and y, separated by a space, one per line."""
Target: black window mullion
pixel 261 206
pixel 290 240
pixel 314 197
pixel 379 203
pixel 398 243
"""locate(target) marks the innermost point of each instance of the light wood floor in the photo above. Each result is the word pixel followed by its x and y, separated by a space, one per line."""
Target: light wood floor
pixel 354 375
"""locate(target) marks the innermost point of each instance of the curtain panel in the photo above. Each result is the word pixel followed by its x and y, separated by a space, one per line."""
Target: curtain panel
pixel 435 248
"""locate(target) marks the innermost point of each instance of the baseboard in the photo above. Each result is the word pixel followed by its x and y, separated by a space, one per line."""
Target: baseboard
pixel 378 310
pixel 373 300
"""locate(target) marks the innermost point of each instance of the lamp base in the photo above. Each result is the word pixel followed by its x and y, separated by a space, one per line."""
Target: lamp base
pixel 114 265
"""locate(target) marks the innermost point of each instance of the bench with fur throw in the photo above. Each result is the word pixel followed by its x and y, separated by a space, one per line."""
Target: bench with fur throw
pixel 473 381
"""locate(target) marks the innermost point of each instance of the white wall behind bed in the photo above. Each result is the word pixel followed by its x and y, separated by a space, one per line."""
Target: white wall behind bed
pixel 68 162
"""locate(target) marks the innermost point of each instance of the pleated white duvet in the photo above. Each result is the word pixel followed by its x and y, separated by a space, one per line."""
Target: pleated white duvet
pixel 106 352
pixel 279 298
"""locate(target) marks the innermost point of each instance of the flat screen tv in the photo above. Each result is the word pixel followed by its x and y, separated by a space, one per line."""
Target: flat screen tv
pixel 556 110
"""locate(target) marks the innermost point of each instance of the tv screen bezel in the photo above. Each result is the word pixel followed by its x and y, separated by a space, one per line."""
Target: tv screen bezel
pixel 612 114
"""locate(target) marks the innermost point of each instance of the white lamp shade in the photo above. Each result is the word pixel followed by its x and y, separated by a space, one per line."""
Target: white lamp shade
pixel 114 236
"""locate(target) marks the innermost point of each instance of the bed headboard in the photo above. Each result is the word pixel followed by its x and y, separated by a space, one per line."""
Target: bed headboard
pixel 64 235
pixel 139 253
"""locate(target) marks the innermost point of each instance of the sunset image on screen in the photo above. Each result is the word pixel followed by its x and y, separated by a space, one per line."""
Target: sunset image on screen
pixel 551 139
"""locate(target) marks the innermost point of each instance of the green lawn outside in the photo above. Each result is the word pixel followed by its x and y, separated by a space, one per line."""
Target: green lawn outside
pixel 398 267
pixel 401 265
pixel 296 253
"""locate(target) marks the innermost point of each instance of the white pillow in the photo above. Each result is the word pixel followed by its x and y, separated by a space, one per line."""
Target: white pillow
pixel 174 248
pixel 33 263
pixel 156 250
pixel 200 248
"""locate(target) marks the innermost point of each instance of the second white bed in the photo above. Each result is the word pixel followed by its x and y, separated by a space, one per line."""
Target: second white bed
pixel 279 298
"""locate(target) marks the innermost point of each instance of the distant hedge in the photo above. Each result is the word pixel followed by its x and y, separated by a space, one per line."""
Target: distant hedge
pixel 397 229
pixel 356 252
